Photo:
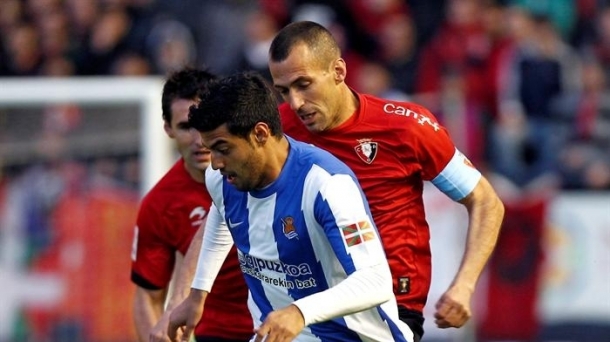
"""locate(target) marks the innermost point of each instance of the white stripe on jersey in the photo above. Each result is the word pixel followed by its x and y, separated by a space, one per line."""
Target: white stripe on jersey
pixel 260 219
pixel 458 178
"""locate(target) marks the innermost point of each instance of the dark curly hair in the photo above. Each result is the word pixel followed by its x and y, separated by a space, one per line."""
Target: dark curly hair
pixel 241 101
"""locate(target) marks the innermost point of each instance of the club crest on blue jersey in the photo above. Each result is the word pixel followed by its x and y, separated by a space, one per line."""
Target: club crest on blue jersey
pixel 357 233
pixel 288 227
pixel 366 150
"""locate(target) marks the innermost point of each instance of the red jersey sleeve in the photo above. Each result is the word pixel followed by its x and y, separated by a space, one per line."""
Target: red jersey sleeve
pixel 431 143
pixel 153 258
pixel 168 219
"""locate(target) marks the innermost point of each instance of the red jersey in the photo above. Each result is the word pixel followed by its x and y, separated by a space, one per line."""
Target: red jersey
pixel 169 217
pixel 392 147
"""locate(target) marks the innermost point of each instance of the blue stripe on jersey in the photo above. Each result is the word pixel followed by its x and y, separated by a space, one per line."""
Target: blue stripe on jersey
pixel 458 178
pixel 334 331
pixel 397 334
pixel 333 231
pixel 255 287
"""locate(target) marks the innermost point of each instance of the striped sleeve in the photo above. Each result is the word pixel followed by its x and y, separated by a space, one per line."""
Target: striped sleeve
pixel 340 209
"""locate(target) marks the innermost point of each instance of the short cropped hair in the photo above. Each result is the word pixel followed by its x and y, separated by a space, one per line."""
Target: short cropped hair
pixel 315 36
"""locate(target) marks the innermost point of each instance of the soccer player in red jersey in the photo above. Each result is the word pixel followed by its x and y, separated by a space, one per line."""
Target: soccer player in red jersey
pixel 393 147
pixel 169 216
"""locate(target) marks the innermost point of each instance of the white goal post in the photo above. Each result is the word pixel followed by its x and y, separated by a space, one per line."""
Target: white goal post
pixel 156 151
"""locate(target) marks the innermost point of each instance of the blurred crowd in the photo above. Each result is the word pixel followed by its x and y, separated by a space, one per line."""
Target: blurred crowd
pixel 520 84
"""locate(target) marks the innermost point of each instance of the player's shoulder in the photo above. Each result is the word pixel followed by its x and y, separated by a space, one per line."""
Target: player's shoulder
pixel 176 183
pixel 214 182
pixel 307 152
pixel 174 177
pixel 309 155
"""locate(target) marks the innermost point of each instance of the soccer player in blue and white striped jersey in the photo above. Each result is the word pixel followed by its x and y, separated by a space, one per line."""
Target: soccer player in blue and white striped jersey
pixel 307 246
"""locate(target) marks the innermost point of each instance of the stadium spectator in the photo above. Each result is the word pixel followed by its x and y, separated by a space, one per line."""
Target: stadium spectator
pixel 259 29
pixel 398 53
pixel 586 155
pixel 460 46
pixel 107 41
pixel 562 14
pixel 23 54
pixel 460 50
pixel 538 71
pixel 170 45
pixel 373 78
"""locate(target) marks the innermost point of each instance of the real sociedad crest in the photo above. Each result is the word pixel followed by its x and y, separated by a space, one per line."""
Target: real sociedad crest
pixel 288 228
pixel 366 150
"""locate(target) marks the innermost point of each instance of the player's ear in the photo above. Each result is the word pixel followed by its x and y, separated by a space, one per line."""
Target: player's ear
pixel 168 130
pixel 340 70
pixel 261 133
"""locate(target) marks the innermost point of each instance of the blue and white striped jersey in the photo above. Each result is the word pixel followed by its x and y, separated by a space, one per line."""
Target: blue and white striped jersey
pixel 307 239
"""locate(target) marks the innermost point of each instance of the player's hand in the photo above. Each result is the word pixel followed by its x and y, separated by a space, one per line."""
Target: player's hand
pixel 281 325
pixel 185 317
pixel 453 308
pixel 158 333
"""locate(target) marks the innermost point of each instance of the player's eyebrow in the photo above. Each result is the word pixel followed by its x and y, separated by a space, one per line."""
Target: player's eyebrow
pixel 296 80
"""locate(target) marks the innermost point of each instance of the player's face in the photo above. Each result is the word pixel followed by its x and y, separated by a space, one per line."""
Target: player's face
pixel 239 161
pixel 309 87
pixel 188 141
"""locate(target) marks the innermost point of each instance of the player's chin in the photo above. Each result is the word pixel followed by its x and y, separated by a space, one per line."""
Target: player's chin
pixel 315 128
pixel 202 159
pixel 201 164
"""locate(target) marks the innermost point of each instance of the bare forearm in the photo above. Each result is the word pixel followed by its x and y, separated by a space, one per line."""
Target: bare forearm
pixel 147 309
pixel 486 213
pixel 186 315
pixel 186 271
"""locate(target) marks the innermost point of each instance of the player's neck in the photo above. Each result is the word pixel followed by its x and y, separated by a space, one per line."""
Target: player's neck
pixel 196 174
pixel 347 108
pixel 278 155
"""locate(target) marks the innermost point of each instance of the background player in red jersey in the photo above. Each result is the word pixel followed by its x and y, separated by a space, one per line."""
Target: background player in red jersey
pixel 169 216
pixel 393 147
